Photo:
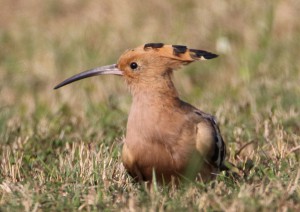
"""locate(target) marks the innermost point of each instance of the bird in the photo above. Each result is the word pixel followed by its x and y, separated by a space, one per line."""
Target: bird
pixel 166 138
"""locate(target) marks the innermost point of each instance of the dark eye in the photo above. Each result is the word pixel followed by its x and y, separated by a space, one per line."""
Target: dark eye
pixel 133 65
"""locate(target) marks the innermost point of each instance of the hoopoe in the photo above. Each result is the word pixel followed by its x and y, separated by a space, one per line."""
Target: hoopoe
pixel 165 136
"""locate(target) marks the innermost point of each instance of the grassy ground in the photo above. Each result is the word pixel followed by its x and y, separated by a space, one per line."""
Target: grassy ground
pixel 60 150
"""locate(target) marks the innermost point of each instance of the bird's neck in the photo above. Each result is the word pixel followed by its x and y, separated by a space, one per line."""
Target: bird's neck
pixel 152 106
pixel 155 106
pixel 159 88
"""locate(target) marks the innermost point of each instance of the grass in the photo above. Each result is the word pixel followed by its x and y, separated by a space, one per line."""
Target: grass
pixel 60 150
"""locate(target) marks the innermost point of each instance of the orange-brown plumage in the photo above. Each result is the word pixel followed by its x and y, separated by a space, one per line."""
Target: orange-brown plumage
pixel 164 134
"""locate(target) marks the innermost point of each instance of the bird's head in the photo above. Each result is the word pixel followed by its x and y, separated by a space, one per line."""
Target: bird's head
pixel 146 64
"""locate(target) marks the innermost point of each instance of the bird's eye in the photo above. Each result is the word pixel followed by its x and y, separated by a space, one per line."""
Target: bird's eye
pixel 133 65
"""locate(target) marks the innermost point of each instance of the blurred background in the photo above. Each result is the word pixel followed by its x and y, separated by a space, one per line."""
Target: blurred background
pixel 43 42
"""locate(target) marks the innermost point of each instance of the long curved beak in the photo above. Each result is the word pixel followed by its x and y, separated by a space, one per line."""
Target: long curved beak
pixel 110 69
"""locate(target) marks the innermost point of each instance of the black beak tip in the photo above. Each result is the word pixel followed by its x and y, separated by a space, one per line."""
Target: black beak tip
pixel 56 87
